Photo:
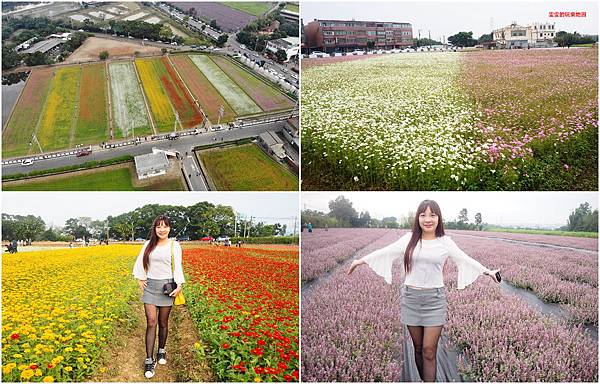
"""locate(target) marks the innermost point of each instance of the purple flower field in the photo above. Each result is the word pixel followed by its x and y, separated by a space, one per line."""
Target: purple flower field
pixel 565 277
pixel 565 241
pixel 323 250
pixel 351 328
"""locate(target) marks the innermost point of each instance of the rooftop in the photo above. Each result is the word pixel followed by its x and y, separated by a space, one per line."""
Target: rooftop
pixel 44 46
pixel 151 162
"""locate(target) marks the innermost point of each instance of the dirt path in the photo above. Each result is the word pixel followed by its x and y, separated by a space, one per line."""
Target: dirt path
pixel 124 362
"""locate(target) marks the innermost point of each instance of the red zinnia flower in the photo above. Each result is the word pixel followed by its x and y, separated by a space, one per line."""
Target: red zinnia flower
pixel 224 327
pixel 261 342
pixel 282 365
pixel 288 378
pixel 14 336
pixel 50 366
pixel 225 346
pixel 259 370
pixel 257 351
pixel 33 366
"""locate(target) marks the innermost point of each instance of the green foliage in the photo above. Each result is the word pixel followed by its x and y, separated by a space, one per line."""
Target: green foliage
pixel 566 39
pixel 36 58
pixel 103 55
pixel 222 40
pixel 281 55
pixel 583 219
pixel 22 228
pixel 10 58
pixel 462 39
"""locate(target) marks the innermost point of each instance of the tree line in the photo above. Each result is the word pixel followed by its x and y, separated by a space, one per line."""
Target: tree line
pixel 562 38
pixel 197 221
pixel 343 215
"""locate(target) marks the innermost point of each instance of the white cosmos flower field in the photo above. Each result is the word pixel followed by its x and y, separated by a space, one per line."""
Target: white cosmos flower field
pixel 394 120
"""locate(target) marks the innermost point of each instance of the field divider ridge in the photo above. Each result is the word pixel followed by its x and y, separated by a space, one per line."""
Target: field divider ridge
pixel 12 110
pixel 42 112
pixel 77 107
pixel 109 103
pixel 531 243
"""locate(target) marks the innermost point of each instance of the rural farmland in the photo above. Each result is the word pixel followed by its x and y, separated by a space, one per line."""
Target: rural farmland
pixel 70 105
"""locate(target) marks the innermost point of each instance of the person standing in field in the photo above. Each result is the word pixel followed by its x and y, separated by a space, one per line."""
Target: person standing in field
pixel 154 269
pixel 423 306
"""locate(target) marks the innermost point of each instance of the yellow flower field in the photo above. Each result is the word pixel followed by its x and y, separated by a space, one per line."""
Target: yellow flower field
pixel 60 308
pixel 150 72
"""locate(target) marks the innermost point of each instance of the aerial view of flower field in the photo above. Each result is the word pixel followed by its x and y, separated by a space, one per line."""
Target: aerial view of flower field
pixel 476 120
pixel 69 104
pixel 539 324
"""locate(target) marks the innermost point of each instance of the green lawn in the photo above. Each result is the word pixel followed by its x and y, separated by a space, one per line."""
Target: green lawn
pixel 292 7
pixel 544 232
pixel 246 168
pixel 252 8
pixel 110 179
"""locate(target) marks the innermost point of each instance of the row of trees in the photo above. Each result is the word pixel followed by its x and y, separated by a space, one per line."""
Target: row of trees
pixel 342 214
pixel 465 39
pixel 196 221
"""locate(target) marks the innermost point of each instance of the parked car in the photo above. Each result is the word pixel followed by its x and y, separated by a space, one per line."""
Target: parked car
pixel 27 162
pixel 207 238
pixel 84 152
pixel 223 238
pixel 173 136
pixel 183 238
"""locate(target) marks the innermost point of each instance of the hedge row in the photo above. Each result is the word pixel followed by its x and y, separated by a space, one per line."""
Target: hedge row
pixel 267 240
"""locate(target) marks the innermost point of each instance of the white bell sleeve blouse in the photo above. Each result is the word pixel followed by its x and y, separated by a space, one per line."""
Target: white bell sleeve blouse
pixel 160 263
pixel 428 261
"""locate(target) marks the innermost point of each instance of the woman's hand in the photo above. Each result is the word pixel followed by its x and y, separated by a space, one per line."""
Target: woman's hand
pixel 355 264
pixel 176 291
pixel 142 284
pixel 492 274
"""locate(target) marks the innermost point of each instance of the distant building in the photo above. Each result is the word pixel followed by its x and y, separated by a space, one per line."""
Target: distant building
pixel 151 164
pixel 290 15
pixel 514 36
pixel 25 44
pixel 273 144
pixel 290 132
pixel 63 35
pixel 44 46
pixel 269 29
pixel 349 35
pixel 291 46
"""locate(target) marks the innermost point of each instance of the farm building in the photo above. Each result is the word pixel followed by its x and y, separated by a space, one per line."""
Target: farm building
pixel 272 144
pixel 44 46
pixel 151 164
pixel 536 35
pixel 291 46
pixel 290 16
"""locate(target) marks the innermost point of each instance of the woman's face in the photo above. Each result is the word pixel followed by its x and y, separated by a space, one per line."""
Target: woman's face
pixel 428 221
pixel 162 231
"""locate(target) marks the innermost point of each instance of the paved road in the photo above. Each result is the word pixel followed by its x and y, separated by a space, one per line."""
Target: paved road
pixel 193 174
pixel 181 145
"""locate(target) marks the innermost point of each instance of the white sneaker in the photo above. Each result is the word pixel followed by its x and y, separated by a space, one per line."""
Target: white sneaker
pixel 161 356
pixel 149 366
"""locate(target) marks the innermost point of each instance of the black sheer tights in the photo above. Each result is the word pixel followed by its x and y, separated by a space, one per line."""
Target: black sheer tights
pixel 156 315
pixel 425 342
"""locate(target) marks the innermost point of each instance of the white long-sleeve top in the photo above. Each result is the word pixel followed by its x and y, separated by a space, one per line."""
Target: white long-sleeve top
pixel 428 261
pixel 160 263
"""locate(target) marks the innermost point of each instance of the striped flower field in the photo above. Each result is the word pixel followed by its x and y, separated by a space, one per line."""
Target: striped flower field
pixel 69 105
pixel 489 120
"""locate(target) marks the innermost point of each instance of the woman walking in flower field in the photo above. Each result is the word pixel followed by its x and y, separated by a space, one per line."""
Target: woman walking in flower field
pixel 159 271
pixel 423 308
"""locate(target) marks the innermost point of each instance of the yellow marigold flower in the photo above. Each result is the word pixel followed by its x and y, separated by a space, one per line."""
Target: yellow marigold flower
pixel 17 356
pixel 27 374
pixel 22 367
pixel 257 379
pixel 38 372
pixel 68 368
pixel 8 368
pixel 48 379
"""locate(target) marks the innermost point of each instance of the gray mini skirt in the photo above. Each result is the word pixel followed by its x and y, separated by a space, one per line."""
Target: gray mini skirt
pixel 153 293
pixel 423 307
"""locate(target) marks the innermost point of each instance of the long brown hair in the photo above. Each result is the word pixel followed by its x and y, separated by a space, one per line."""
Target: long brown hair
pixel 417 232
pixel 154 238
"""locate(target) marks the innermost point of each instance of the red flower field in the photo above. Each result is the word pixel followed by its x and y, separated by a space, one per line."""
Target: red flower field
pixel 245 303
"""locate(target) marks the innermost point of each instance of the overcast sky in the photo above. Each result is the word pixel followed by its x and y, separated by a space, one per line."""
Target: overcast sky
pixel 446 18
pixel 56 207
pixel 536 209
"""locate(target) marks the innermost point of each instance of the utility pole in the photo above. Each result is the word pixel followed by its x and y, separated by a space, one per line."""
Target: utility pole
pixel 249 229
pixel 234 225
pixel 295 223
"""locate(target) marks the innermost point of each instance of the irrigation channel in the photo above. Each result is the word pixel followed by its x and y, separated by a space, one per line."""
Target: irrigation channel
pixel 447 355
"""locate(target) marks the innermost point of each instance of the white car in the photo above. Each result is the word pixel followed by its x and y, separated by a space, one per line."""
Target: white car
pixel 27 162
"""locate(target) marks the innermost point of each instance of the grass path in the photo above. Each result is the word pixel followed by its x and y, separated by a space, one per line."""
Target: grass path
pixel 124 362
